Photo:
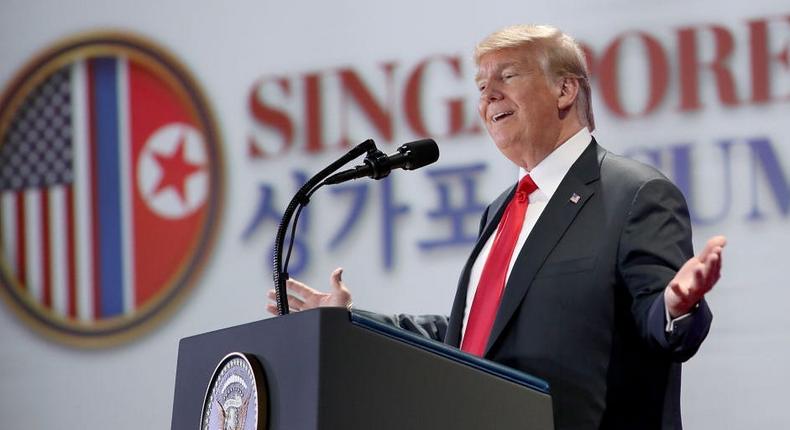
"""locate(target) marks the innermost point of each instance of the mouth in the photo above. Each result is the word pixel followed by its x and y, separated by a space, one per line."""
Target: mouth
pixel 501 115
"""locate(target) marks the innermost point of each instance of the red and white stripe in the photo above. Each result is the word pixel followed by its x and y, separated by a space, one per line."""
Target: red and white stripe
pixel 37 245
pixel 83 213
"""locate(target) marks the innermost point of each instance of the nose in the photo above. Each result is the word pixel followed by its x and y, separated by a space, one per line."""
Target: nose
pixel 491 93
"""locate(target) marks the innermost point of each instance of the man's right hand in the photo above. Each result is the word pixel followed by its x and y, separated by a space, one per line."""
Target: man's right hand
pixel 301 297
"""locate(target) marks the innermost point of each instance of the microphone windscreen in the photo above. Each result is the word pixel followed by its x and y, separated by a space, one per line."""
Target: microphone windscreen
pixel 419 153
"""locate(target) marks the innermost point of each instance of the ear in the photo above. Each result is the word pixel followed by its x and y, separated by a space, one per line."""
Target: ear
pixel 569 89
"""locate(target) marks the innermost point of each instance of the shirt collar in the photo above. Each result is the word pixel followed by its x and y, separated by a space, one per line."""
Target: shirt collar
pixel 549 173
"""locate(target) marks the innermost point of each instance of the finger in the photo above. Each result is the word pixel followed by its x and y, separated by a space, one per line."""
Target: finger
pixel 717 268
pixel 712 262
pixel 714 271
pixel 678 290
pixel 682 299
pixel 714 253
pixel 711 245
pixel 699 287
pixel 336 279
pixel 272 309
pixel 299 288
pixel 272 295
pixel 721 240
pixel 295 303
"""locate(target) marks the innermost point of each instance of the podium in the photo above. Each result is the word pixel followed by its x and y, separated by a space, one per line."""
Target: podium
pixel 331 369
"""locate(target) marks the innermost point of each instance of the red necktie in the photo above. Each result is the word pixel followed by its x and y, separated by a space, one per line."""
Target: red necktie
pixel 492 280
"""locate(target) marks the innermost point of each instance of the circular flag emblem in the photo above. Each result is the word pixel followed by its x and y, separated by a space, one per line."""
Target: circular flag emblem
pixel 110 188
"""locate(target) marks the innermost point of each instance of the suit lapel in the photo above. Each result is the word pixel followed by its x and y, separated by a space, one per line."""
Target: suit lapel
pixel 547 232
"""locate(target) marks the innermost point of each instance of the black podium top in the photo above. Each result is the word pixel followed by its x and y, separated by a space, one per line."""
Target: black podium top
pixel 444 350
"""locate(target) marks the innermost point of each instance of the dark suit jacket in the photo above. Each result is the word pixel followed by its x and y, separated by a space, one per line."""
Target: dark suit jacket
pixel 583 307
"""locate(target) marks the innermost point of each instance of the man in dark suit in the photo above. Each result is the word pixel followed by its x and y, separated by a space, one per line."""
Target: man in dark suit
pixel 583 273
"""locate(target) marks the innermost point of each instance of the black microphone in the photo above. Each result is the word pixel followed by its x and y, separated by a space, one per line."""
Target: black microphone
pixel 410 156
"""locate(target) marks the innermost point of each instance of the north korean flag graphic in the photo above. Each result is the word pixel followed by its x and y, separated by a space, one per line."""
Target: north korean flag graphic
pixel 109 189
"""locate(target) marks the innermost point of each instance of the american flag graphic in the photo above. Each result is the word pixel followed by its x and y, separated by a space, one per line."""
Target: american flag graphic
pixel 37 185
pixel 107 194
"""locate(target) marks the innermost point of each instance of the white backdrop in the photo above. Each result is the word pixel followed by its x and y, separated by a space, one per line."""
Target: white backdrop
pixel 736 177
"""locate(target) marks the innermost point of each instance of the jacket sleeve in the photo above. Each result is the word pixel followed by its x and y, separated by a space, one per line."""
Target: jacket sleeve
pixel 430 326
pixel 655 242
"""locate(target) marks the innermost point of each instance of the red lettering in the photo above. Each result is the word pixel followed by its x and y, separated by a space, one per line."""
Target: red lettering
pixel 413 102
pixel 761 60
pixel 268 116
pixel 659 74
pixel 690 65
pixel 455 105
pixel 312 112
pixel 379 115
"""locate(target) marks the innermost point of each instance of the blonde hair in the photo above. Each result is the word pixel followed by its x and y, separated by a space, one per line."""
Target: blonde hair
pixel 561 58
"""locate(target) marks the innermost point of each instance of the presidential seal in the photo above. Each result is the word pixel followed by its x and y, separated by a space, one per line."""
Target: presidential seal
pixel 236 396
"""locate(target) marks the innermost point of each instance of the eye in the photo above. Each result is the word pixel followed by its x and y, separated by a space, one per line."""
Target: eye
pixel 481 87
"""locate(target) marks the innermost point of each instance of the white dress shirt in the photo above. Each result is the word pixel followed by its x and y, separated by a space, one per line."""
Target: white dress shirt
pixel 547 176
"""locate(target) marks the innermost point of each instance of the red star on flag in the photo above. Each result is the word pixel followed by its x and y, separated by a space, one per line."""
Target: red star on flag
pixel 176 169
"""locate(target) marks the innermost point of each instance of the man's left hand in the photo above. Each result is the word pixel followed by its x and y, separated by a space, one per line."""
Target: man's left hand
pixel 695 279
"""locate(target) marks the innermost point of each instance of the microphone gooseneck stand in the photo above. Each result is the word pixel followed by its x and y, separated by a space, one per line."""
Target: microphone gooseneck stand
pixel 299 201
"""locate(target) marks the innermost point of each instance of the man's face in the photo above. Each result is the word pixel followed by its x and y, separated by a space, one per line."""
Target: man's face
pixel 518 104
